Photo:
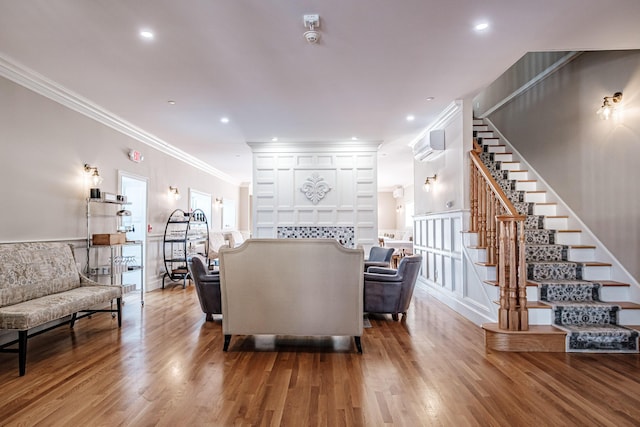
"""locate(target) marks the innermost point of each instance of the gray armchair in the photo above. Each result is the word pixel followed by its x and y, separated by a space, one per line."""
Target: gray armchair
pixel 378 257
pixel 207 286
pixel 390 291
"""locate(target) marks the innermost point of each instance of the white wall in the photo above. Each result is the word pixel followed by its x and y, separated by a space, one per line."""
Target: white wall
pixel 280 170
pixel 44 147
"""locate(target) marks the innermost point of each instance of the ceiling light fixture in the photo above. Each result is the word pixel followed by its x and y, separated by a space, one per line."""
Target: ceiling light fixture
pixel 411 118
pixel 274 139
pixel 430 98
pixel 481 26
pixel 609 106
pixel 354 138
pixel 171 102
pixel 146 34
pixel 311 22
pixel 224 120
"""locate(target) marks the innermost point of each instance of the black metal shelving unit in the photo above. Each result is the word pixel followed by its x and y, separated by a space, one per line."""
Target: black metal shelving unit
pixel 185 234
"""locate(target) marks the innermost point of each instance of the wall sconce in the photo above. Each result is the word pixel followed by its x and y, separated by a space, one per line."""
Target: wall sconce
pixel 609 106
pixel 399 208
pixel 429 182
pixel 218 202
pixel 92 172
pixel 173 192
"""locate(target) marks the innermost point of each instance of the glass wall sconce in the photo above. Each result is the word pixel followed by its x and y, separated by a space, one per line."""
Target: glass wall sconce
pixel 609 106
pixel 174 193
pixel 93 174
pixel 429 182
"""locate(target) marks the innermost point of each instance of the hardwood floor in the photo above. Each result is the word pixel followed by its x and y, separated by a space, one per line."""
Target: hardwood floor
pixel 166 367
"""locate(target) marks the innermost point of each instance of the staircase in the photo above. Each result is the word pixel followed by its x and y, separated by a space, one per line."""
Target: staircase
pixel 573 305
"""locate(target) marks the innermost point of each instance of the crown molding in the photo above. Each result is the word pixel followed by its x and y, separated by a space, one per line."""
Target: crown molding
pixel 17 73
pixel 314 146
pixel 442 120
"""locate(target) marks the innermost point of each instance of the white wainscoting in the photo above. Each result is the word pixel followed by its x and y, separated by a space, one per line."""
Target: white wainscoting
pixel 349 170
pixel 447 271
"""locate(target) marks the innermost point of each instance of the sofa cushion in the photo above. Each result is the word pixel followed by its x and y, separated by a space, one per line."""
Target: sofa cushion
pixel 33 270
pixel 29 314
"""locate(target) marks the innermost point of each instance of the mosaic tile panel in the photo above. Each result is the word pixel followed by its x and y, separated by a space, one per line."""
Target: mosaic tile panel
pixel 569 291
pixel 540 271
pixel 345 235
pixel 545 253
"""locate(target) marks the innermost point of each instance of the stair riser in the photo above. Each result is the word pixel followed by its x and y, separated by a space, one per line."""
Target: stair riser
pixel 484 134
pixel 518 175
pixel 629 317
pixel 526 185
pixel 479 122
pixel 568 238
pixel 540 316
pixel 596 273
pixel 510 166
pixel 503 157
pixel 535 197
pixel 614 293
pixel 470 239
pixel 486 273
pixel 556 223
pixel 581 255
pixel 544 210
pixel 477 255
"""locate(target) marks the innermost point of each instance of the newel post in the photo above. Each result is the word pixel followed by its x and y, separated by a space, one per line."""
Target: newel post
pixel 512 274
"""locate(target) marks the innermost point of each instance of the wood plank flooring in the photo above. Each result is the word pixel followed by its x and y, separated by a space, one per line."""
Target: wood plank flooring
pixel 166 367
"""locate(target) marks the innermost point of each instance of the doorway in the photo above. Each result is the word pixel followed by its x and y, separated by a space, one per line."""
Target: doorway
pixel 135 189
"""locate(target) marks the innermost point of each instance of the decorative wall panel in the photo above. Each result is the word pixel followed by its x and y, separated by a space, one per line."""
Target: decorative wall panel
pixel 314 184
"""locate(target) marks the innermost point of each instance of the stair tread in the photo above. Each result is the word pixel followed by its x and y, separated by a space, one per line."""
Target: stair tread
pixel 626 305
pixel 476 247
pixel 486 264
pixel 533 329
pixel 495 283
pixel 568 231
pixel 535 191
pixel 602 282
pixel 582 246
pixel 556 216
pixel 596 264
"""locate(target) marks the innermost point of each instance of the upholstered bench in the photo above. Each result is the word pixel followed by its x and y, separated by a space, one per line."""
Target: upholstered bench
pixel 40 283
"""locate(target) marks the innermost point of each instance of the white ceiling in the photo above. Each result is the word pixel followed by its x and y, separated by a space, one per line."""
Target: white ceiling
pixel 376 62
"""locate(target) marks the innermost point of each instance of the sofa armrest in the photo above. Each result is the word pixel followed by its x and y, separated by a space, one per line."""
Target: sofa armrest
pixel 85 281
pixel 381 270
pixel 376 277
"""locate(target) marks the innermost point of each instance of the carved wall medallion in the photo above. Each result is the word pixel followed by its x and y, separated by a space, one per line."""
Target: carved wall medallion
pixel 315 188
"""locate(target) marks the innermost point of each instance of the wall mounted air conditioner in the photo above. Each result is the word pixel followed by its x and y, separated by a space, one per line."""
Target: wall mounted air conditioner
pixel 430 146
pixel 398 192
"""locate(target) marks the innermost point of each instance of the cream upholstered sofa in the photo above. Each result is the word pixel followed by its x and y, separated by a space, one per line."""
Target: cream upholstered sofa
pixel 40 283
pixel 304 287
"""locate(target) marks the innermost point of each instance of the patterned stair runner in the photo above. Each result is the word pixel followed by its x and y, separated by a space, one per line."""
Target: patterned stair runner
pixel 592 324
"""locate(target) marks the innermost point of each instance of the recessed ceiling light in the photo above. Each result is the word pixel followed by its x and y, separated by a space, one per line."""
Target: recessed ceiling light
pixel 171 102
pixel 431 98
pixel 481 26
pixel 146 34
pixel 224 120
pixel 411 118
pixel 274 139
pixel 354 138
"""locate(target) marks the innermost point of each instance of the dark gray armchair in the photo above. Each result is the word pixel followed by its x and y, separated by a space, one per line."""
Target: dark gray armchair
pixel 378 257
pixel 207 286
pixel 390 291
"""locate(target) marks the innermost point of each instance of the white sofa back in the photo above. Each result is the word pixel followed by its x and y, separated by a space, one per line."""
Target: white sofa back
pixel 291 287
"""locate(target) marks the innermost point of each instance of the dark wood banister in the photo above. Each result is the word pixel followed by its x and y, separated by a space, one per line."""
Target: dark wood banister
pixel 500 230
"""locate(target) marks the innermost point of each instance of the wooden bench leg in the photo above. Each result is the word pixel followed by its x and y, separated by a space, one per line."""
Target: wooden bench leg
pixel 22 352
